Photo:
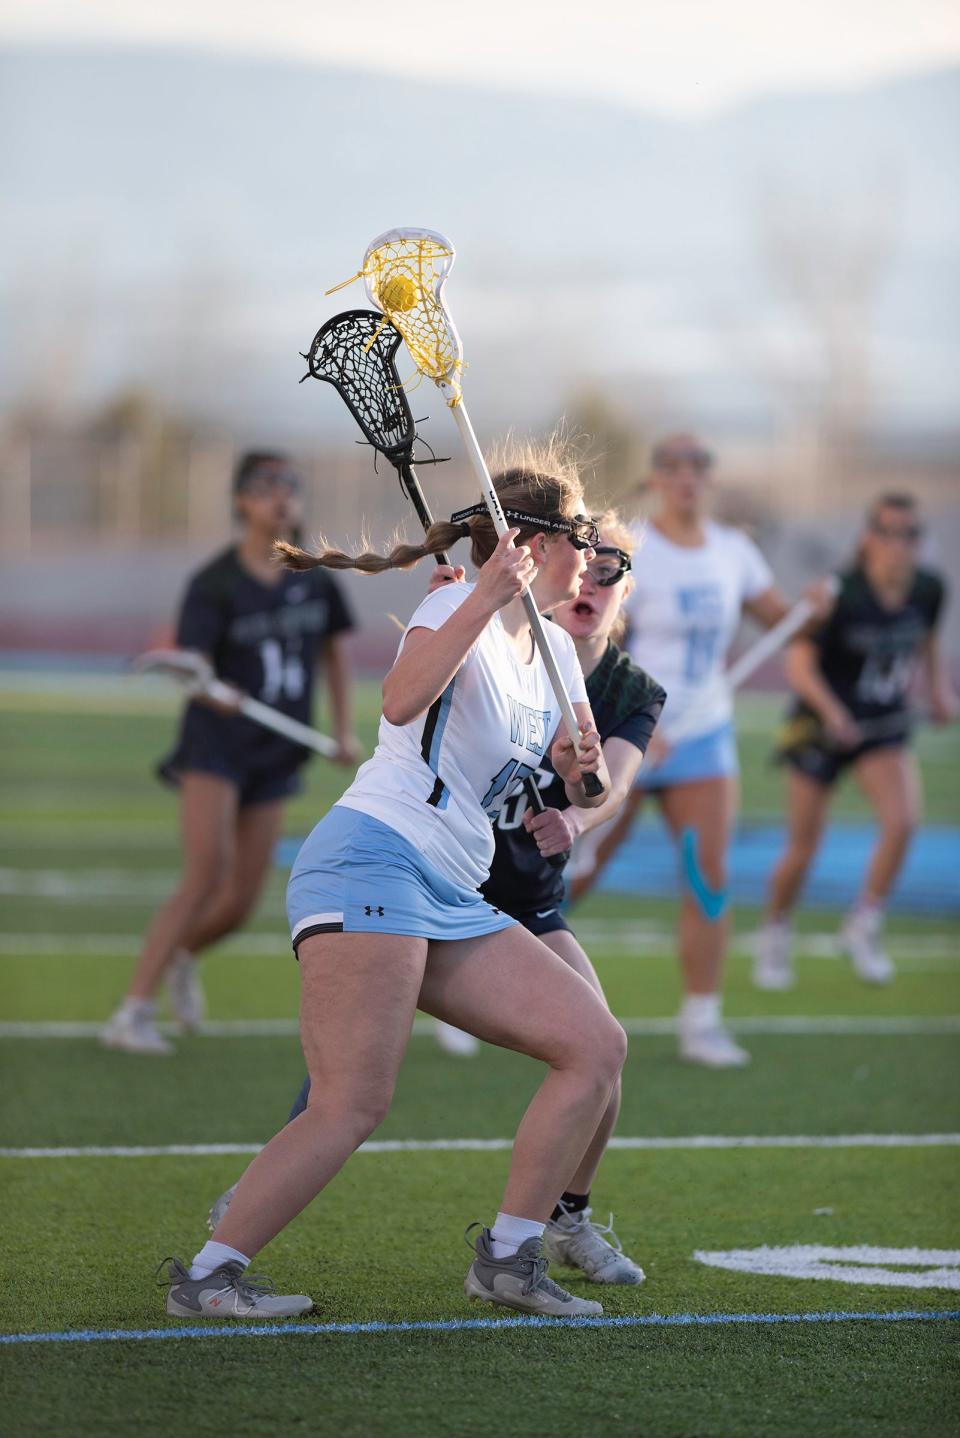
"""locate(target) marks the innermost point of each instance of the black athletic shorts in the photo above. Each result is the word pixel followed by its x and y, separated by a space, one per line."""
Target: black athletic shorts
pixel 255 785
pixel 539 921
pixel 825 764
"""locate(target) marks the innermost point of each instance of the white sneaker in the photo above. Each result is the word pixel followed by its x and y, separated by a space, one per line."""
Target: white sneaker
pixel 188 1002
pixel 713 1047
pixel 133 1028
pixel 860 937
pixel 455 1041
pixel 773 958
pixel 572 1240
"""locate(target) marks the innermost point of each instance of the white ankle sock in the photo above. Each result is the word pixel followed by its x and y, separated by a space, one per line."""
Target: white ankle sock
pixel 867 911
pixel 509 1232
pixel 700 1011
pixel 212 1255
pixel 146 1008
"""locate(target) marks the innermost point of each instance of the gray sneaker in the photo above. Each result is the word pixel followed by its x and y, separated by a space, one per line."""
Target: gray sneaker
pixel 520 1281
pixel 577 1243
pixel 219 1210
pixel 228 1292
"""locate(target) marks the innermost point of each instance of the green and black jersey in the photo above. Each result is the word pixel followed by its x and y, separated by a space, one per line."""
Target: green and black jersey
pixel 867 652
pixel 626 704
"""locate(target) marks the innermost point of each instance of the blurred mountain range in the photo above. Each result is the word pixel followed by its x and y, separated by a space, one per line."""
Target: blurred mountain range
pixel 172 220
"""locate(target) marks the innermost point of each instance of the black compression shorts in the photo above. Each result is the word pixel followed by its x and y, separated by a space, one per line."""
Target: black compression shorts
pixel 825 764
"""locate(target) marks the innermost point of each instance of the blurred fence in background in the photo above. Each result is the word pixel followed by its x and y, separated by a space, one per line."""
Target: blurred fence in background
pixel 100 522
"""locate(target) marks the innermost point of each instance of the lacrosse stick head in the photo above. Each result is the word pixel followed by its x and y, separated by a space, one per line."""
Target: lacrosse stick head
pixel 186 666
pixel 404 272
pixel 356 353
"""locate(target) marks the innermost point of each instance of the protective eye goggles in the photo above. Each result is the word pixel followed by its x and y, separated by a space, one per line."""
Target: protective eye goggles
pixel 609 566
pixel 668 461
pixel 261 483
pixel 909 533
pixel 580 529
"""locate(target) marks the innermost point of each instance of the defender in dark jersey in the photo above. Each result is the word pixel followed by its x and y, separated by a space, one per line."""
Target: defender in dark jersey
pixel 852 679
pixel 266 631
pixel 626 704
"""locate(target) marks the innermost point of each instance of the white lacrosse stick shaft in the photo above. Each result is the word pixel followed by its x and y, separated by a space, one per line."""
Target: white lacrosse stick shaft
pixel 772 640
pixel 198 679
pixel 540 637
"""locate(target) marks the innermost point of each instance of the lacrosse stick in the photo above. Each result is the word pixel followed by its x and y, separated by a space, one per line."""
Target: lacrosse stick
pixel 404 272
pixel 199 681
pixel 356 353
pixel 769 643
pixel 810 729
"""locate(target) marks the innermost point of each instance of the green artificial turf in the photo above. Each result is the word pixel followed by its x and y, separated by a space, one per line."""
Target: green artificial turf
pixel 83 824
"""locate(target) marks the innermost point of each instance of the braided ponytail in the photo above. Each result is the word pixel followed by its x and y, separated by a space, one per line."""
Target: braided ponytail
pixel 439 537
pixel 541 479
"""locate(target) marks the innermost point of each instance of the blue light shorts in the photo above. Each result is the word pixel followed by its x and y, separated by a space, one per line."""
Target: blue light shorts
pixel 355 875
pixel 707 756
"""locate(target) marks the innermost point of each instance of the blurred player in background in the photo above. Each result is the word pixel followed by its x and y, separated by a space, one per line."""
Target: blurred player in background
pixel 695 581
pixel 852 679
pixel 626 704
pixel 265 630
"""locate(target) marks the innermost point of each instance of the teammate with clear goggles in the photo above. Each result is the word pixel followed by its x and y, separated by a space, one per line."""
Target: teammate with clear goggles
pixel 697 580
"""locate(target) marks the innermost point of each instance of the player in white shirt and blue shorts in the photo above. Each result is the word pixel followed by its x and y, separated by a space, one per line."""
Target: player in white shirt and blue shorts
pixel 386 916
pixel 693 581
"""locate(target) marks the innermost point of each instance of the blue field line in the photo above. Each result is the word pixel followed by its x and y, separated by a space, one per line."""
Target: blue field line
pixel 462 1325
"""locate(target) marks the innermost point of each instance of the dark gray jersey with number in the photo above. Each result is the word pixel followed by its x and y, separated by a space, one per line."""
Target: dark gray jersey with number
pixel 867 652
pixel 266 640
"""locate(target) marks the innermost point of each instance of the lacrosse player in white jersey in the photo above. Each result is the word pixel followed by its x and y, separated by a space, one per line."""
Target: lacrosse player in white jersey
pixel 386 915
pixel 695 580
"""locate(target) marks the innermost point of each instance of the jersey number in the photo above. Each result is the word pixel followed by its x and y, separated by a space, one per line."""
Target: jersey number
pixel 516 805
pixel 700 652
pixel 513 770
pixel 885 680
pixel 282 673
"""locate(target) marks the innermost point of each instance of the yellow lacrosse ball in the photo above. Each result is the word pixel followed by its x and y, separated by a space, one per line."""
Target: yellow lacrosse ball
pixel 398 292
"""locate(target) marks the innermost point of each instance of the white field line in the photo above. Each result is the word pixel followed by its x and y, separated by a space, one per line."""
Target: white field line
pixel 80 886
pixel 497 1145
pixel 800 1025
pixel 612 937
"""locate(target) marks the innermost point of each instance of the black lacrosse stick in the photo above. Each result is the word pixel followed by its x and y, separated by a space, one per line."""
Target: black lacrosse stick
pixel 356 352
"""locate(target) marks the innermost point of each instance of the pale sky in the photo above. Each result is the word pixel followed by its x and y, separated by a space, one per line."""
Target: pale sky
pixel 681 56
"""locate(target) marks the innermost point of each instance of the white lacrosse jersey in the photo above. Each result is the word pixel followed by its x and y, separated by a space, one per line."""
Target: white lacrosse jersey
pixel 684 612
pixel 440 780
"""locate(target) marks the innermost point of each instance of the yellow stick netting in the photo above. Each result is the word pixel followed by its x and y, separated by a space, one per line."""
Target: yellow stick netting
pixel 404 273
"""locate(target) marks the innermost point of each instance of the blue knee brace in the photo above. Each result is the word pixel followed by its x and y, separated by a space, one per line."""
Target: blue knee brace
pixel 712 902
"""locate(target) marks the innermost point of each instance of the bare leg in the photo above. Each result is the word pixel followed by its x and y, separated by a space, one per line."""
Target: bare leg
pixel 257 831
pixel 565 945
pixel 614 833
pixel 208 812
pixel 358 999
pixel 707 807
pixel 359 994
pixel 890 780
pixel 510 990
pixel 808 803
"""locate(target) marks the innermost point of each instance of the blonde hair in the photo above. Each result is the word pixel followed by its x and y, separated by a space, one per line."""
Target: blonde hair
pixel 615 530
pixel 542 479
